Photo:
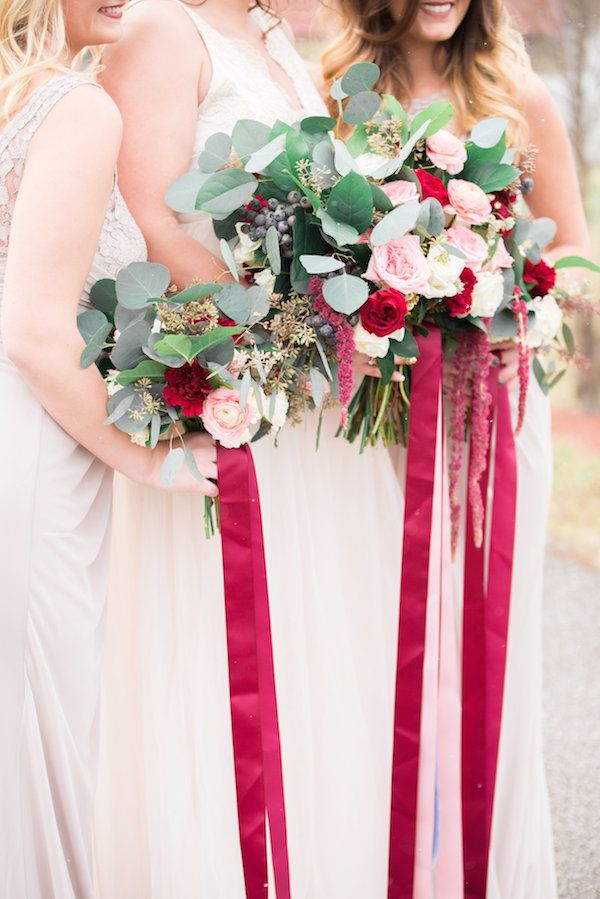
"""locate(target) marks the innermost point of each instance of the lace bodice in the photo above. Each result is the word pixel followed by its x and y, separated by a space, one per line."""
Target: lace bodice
pixel 120 242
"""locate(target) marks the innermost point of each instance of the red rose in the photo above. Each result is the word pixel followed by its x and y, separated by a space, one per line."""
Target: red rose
pixel 540 277
pixel 384 312
pixel 432 187
pixel 186 387
pixel 502 205
pixel 461 303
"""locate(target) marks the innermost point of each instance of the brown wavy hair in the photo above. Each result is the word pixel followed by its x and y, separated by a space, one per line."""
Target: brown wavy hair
pixel 481 64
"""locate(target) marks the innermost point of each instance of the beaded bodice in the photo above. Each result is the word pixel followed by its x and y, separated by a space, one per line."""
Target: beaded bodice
pixel 120 241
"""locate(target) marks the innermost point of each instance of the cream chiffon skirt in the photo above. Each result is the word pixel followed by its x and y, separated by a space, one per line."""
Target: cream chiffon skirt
pixel 54 515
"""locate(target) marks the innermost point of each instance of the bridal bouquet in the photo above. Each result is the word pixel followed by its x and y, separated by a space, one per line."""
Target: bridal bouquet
pixel 396 227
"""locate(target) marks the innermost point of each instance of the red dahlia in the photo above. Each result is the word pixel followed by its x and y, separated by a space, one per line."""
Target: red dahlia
pixel 384 312
pixel 539 277
pixel 432 187
pixel 461 303
pixel 186 387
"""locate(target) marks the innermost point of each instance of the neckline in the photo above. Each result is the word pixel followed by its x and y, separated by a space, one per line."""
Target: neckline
pixel 295 102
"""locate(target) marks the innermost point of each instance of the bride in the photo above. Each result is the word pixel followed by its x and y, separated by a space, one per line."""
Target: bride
pixel 166 824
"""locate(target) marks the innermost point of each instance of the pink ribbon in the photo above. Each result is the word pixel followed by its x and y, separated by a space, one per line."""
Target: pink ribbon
pixel 485 634
pixel 420 478
pixel 255 725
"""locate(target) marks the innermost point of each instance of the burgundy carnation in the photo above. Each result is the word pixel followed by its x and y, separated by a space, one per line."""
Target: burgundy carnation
pixel 540 278
pixel 384 312
pixel 186 387
pixel 461 303
pixel 432 187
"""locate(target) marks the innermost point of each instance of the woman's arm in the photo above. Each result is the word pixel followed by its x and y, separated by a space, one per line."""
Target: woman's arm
pixel 157 74
pixel 55 229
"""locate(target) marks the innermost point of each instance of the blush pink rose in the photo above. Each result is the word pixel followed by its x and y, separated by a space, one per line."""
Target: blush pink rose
pixel 447 152
pixel 471 244
pixel 400 264
pixel 501 258
pixel 401 192
pixel 224 419
pixel 468 202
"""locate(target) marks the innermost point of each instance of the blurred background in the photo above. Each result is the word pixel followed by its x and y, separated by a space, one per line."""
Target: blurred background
pixel 564 42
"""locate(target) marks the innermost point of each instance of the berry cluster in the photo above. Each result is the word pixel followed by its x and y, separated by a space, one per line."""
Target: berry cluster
pixel 264 214
pixel 323 329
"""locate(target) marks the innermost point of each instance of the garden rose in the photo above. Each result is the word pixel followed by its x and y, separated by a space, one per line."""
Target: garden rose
pixel 266 280
pixel 224 419
pixel 472 245
pixel 488 294
pixel 432 187
pixel 372 345
pixel 460 305
pixel 447 152
pixel 384 312
pixel 539 277
pixel 546 323
pixel 400 264
pixel 187 387
pixel 468 202
pixel 244 251
pixel 401 192
pixel 445 269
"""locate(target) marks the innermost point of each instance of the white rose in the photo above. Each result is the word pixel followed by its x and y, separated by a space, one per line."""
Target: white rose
pixel 140 438
pixel 445 270
pixel 244 251
pixel 371 344
pixel 546 323
pixel 265 279
pixel 279 416
pixel 487 294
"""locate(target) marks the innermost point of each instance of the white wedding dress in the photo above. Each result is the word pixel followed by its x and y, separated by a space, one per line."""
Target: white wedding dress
pixel 55 500
pixel 167 818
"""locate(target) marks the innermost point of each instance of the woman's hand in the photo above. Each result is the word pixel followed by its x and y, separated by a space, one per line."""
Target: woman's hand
pixel 365 366
pixel 507 354
pixel 204 450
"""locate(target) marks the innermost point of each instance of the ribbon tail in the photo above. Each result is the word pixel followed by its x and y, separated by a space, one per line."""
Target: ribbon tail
pixel 420 479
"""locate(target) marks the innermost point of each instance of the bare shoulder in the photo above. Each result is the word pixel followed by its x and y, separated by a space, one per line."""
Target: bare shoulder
pixel 537 101
pixel 85 120
pixel 160 17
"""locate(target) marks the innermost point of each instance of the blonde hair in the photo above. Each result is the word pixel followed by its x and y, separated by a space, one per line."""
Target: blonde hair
pixel 482 63
pixel 33 40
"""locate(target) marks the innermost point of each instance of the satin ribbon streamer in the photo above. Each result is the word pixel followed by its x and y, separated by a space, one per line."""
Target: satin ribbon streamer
pixel 485 634
pixel 255 726
pixel 420 477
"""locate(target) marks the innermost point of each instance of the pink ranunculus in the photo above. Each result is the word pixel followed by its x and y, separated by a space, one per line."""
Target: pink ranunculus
pixel 501 258
pixel 447 152
pixel 400 264
pixel 471 244
pixel 468 201
pixel 225 421
pixel 401 192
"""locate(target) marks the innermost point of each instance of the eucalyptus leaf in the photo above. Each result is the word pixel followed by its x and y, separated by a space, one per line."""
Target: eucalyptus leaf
pixel 568 338
pixel 396 224
pixel 362 108
pixel 191 463
pixel 181 195
pixel 229 260
pixel 259 303
pixel 412 142
pixel 172 361
pixel 488 132
pixel 95 346
pixel 431 216
pixel 317 381
pixel 172 466
pixel 146 369
pixel 318 124
pixel 542 231
pixel 492 176
pixel 155 425
pixel 434 117
pixel 129 350
pixel 194 293
pixel 381 201
pixel 360 77
pixel 336 91
pixel 90 322
pixel 273 251
pixel 118 407
pixel 234 302
pixel 319 265
pixel 345 293
pixel 216 152
pixel 264 156
pixel 140 282
pixel 201 343
pixel 103 296
pixel 174 345
pixel 351 202
pixel 341 233
pixel 324 359
pixel 225 191
pixel 249 136
pixel 504 325
pixel 344 162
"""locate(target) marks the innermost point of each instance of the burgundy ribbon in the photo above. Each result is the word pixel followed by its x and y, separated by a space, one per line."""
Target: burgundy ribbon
pixel 420 477
pixel 255 725
pixel 485 634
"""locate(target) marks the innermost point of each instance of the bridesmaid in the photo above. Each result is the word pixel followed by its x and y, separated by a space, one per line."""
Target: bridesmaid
pixel 63 224
pixel 468 52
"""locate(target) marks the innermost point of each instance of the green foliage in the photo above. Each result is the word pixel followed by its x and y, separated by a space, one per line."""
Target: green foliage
pixel 351 202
